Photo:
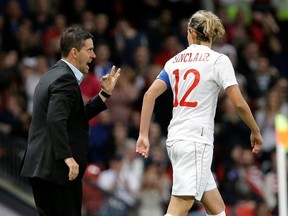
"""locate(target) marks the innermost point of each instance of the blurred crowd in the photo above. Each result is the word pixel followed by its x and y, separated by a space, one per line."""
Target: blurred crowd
pixel 140 36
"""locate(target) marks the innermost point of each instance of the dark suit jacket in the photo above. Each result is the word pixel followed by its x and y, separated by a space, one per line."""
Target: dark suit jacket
pixel 59 127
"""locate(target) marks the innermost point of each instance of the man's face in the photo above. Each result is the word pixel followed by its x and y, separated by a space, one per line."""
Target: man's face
pixel 85 56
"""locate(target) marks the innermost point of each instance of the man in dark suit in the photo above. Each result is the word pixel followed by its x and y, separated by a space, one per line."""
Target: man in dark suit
pixel 56 154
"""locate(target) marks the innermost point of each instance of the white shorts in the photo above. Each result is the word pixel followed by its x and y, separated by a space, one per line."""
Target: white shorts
pixel 191 163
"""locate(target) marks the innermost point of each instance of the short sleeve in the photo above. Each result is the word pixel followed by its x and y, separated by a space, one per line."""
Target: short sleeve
pixel 224 72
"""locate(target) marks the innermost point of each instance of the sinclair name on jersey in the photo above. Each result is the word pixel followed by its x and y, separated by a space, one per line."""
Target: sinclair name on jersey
pixel 191 57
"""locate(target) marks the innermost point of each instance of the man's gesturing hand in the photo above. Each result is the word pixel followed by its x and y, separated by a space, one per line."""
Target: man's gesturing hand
pixel 109 81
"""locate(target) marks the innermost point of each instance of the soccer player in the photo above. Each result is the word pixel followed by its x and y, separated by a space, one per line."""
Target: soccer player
pixel 195 75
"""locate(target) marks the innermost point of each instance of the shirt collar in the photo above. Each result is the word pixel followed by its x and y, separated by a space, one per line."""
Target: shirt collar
pixel 77 73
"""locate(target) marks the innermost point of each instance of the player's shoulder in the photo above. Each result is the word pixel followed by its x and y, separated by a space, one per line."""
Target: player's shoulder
pixel 219 57
pixel 215 53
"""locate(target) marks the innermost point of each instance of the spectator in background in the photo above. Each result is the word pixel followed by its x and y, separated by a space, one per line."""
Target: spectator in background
pixel 230 177
pixel 41 16
pixel 280 85
pixel 99 135
pixel 142 65
pixel 155 135
pixel 250 184
pixel 121 187
pixel 11 78
pixel 102 64
pixel 154 191
pixel 88 20
pixel 117 140
pixel 103 33
pixel 261 209
pixel 33 69
pixel 163 25
pixel 265 117
pixel 152 10
pixel 74 10
pixel 27 42
pixel 264 74
pixel 181 32
pixel 244 182
pixel 126 93
pixel 262 26
pixel 226 139
pixel 277 54
pixel 134 122
pixel 50 39
pixel 251 173
pixel 14 119
pixel 141 60
pixel 170 47
pixel 132 162
pixel 160 158
pixel 186 7
pixel 247 63
pixel 126 39
pixel 239 34
pixel 14 127
pixel 13 17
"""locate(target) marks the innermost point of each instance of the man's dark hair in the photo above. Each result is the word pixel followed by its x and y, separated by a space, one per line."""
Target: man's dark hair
pixel 73 37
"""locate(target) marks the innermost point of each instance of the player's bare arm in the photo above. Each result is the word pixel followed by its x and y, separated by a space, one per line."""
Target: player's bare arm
pixel 246 115
pixel 155 90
